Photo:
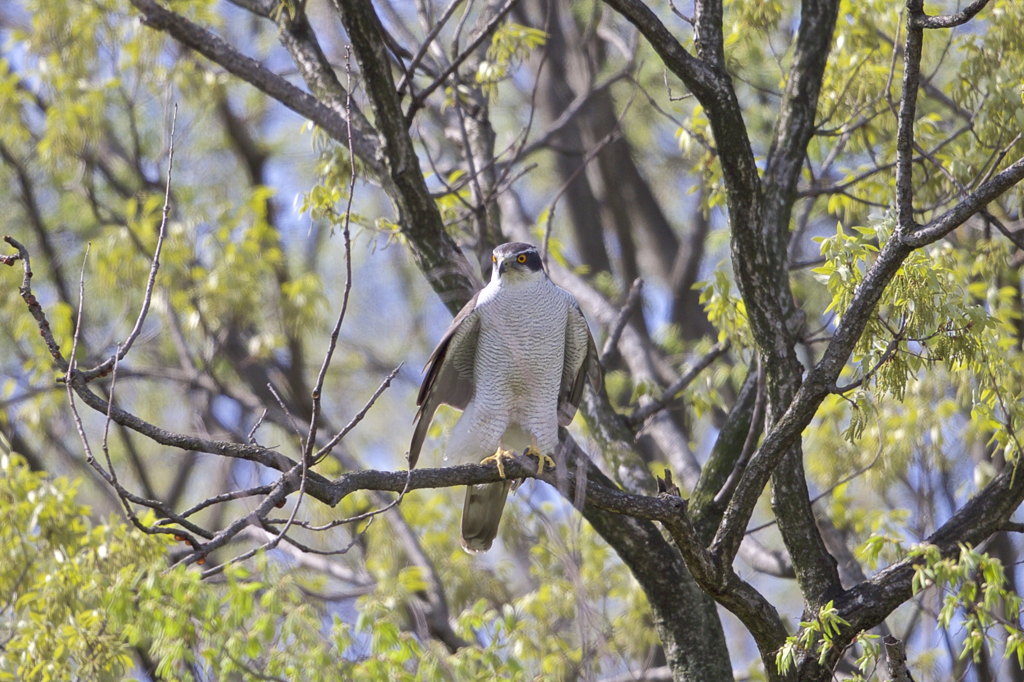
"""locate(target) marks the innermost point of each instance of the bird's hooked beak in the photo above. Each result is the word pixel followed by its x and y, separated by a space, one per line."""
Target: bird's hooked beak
pixel 503 266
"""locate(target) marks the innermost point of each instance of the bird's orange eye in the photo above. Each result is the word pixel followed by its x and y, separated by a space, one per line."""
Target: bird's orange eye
pixel 494 259
pixel 522 258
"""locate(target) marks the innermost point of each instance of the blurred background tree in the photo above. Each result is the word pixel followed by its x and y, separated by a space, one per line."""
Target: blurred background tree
pixel 817 250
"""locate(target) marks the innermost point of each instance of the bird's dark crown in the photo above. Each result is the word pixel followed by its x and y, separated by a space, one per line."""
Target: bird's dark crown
pixel 512 252
pixel 512 249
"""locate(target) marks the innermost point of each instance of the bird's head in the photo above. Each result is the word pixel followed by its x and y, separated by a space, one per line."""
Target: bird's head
pixel 516 262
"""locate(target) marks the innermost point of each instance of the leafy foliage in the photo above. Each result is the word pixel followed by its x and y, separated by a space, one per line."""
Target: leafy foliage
pixel 973 584
pixel 245 288
pixel 84 598
pixel 510 45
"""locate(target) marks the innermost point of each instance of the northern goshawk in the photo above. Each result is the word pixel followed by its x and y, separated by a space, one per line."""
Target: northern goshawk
pixel 515 360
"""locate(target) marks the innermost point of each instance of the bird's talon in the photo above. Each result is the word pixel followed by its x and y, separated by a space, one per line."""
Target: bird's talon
pixel 497 458
pixel 542 459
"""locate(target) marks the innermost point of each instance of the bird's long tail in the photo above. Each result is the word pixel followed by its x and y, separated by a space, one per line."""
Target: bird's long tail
pixel 481 515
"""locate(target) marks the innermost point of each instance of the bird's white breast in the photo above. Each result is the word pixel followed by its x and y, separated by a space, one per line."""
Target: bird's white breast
pixel 520 355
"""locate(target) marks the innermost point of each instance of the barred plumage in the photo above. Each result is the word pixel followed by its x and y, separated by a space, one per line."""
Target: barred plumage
pixel 515 359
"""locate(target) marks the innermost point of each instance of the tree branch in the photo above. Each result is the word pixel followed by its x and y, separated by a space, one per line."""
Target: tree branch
pixel 475 42
pixel 922 20
pixel 967 207
pixel 657 404
pixel 671 510
pixel 615 330
pixel 870 602
pixel 804 404
pixel 699 77
pixel 907 114
pixel 795 125
pixel 251 71
pixel 435 252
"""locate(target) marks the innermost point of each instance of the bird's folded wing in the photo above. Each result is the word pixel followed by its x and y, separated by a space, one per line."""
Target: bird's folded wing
pixel 449 374
pixel 580 361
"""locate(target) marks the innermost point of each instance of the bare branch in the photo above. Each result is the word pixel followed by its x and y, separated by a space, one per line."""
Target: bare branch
pixel 420 53
pixel 922 20
pixel 474 43
pixel 326 449
pixel 122 350
pixel 218 51
pixel 657 404
pixel 436 253
pixel 615 331
pixel 315 416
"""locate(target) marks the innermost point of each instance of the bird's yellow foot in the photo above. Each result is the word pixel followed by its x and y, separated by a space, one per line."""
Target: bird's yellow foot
pixel 542 459
pixel 498 458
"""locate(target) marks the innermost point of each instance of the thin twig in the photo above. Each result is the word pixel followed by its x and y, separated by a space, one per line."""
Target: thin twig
pixel 448 11
pixel 106 423
pixel 999 156
pixel 678 13
pixel 889 350
pixel 749 443
pixel 620 321
pixel 458 29
pixel 331 552
pixel 846 479
pixel 418 101
pixel 326 449
pixel 123 349
pixel 288 414
pixel 71 367
pixel 1016 237
pixel 310 442
pixel 570 112
pixel 298 503
pixel 223 497
pixel 281 490
pixel 352 519
pixel 668 395
pixel 110 474
pixel 479 208
pixel 251 438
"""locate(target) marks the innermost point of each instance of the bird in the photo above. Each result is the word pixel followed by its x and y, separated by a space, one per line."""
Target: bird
pixel 515 360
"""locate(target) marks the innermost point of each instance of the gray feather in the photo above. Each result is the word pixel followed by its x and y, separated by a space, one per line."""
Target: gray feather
pixel 580 360
pixel 449 374
pixel 481 515
pixel 515 360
